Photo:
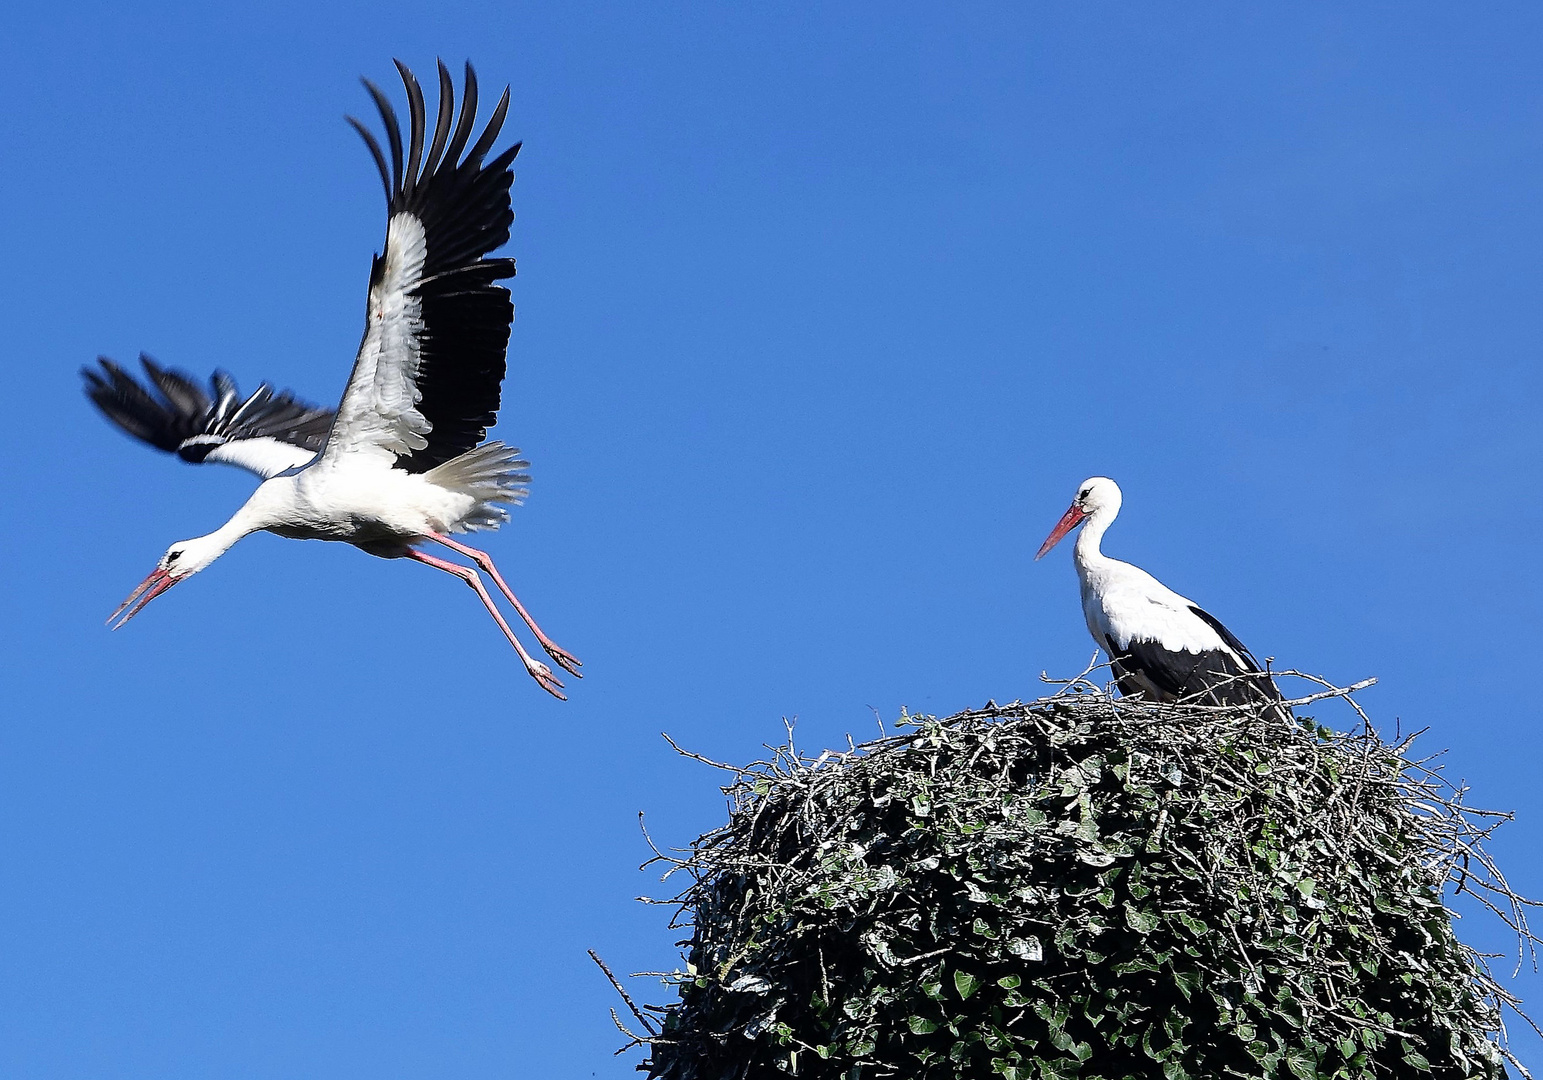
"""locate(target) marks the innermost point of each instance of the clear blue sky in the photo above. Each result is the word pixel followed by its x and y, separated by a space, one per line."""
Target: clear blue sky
pixel 823 312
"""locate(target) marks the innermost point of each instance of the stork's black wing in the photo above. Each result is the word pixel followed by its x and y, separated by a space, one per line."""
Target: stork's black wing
pixel 1240 691
pixel 1229 676
pixel 266 433
pixel 426 384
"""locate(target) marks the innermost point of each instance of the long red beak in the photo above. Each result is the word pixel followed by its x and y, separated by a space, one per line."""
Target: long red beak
pixel 1069 521
pixel 154 585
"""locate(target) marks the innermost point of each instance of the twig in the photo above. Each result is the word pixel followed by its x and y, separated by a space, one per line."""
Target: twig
pixel 698 757
pixel 642 1018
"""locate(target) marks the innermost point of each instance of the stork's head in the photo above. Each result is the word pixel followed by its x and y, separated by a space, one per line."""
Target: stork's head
pixel 1094 495
pixel 182 560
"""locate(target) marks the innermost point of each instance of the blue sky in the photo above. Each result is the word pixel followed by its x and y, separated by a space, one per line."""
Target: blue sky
pixel 823 311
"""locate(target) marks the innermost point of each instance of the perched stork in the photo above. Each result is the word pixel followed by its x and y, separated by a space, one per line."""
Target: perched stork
pixel 1161 644
pixel 402 462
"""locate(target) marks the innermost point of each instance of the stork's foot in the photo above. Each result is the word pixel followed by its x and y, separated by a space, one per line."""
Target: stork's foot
pixel 566 659
pixel 543 675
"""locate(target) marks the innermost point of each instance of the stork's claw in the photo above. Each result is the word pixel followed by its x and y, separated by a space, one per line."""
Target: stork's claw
pixel 549 682
pixel 566 659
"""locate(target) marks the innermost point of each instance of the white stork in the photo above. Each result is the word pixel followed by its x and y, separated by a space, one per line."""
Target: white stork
pixel 402 462
pixel 1161 644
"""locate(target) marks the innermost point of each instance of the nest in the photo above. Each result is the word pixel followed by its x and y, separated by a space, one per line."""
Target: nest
pixel 1088 887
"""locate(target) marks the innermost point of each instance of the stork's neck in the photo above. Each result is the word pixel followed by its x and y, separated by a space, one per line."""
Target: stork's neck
pixel 224 538
pixel 203 550
pixel 1092 534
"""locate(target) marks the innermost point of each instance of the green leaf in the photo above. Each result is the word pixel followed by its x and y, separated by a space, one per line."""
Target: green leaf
pixel 1142 922
pixel 1187 982
pixel 1193 925
pixel 920 1025
pixel 1027 948
pixel 966 984
pixel 1301 1066
pixel 1060 1069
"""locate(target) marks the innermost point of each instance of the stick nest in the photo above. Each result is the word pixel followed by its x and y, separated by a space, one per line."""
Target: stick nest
pixel 1087 887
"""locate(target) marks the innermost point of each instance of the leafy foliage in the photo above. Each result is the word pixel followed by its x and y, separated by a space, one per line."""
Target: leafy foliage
pixel 1086 887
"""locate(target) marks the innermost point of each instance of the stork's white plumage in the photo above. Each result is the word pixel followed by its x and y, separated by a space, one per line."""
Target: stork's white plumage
pixel 402 462
pixel 1162 645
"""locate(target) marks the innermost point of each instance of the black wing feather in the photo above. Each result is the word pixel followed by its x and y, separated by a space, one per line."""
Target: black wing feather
pixel 182 392
pixel 442 124
pixel 1214 676
pixel 464 207
pixel 468 115
pixel 1229 637
pixel 173 409
pixel 393 131
pixel 415 107
pixel 380 159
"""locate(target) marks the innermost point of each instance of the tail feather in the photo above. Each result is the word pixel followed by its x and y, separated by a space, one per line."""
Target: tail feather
pixel 493 474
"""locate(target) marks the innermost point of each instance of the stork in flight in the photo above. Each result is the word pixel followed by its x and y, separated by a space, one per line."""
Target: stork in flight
pixel 1161 644
pixel 401 463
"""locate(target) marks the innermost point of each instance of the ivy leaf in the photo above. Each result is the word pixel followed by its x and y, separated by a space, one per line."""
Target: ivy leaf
pixel 1187 982
pixel 1193 925
pixel 1027 948
pixel 966 984
pixel 1143 922
pixel 1301 1066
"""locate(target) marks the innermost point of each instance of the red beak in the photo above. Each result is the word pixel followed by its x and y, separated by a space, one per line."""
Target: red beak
pixel 1069 521
pixel 154 585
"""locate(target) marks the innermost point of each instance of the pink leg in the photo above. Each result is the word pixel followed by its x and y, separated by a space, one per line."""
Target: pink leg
pixel 485 561
pixel 538 671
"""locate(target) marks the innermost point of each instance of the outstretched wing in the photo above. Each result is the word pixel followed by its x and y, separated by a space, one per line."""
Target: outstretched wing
pixel 425 386
pixel 265 433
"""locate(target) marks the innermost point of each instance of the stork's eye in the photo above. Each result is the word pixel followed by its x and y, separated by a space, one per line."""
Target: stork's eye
pixel 172 556
pixel 1084 493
